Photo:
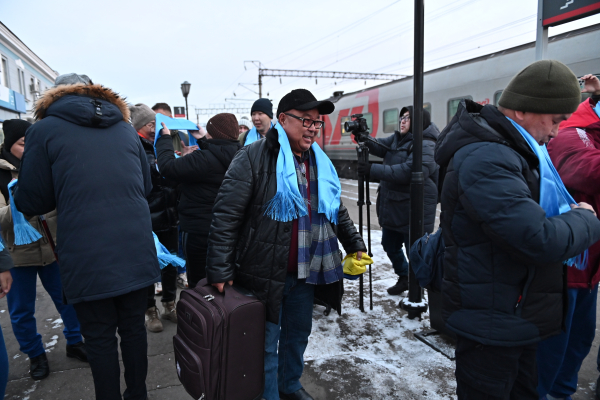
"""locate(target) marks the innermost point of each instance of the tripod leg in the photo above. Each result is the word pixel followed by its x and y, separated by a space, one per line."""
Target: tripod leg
pixel 369 240
pixel 360 202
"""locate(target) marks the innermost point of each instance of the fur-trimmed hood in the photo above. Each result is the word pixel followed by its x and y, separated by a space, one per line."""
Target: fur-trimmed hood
pixel 96 91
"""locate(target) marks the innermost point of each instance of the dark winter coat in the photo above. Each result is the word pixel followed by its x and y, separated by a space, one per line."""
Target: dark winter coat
pixel 200 174
pixel 162 200
pixel 83 158
pixel 393 200
pixel 252 249
pixel 504 281
pixel 575 153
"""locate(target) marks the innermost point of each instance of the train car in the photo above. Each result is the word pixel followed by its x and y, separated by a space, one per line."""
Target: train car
pixel 481 79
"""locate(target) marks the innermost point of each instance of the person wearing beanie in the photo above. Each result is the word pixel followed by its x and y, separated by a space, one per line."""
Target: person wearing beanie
pixel 162 201
pixel 575 153
pixel 200 174
pixel 32 260
pixel 90 167
pixel 261 114
pixel 245 125
pixel 511 229
pixel 276 223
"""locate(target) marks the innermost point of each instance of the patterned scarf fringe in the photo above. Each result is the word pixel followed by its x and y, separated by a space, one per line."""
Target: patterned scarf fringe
pixel 285 206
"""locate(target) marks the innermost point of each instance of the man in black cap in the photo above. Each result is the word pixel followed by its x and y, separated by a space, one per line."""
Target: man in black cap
pixel 508 224
pixel 271 247
pixel 262 114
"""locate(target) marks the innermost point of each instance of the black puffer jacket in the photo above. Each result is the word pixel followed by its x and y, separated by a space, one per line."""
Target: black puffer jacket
pixel 504 282
pixel 393 200
pixel 250 248
pixel 91 168
pixel 163 198
pixel 201 174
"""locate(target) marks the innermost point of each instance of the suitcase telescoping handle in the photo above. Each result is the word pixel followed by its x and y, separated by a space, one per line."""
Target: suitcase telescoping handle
pixel 228 290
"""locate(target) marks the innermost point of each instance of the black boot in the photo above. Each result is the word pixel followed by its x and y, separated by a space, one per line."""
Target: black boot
pixel 297 395
pixel 399 287
pixel 77 351
pixel 39 368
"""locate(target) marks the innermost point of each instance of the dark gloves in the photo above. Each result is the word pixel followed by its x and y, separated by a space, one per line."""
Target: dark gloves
pixel 364 168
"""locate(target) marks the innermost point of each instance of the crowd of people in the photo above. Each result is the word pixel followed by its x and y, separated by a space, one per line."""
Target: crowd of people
pixel 89 189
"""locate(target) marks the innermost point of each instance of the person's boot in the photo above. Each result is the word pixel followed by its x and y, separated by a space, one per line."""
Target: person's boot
pixel 153 324
pixel 399 287
pixel 77 351
pixel 170 312
pixel 300 394
pixel 38 367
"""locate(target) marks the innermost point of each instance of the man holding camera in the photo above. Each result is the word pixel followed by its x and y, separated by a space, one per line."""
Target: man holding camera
pixel 275 229
pixel 393 201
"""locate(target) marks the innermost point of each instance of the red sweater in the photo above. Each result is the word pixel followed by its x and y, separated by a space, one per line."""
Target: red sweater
pixel 575 153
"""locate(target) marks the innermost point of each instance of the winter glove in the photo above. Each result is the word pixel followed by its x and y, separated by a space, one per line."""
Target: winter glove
pixel 364 168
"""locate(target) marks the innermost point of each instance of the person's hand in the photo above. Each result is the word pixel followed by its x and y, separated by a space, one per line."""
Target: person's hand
pixel 185 150
pixel 5 283
pixel 591 84
pixel 221 285
pixel 165 130
pixel 359 255
pixel 583 205
pixel 199 134
pixel 364 168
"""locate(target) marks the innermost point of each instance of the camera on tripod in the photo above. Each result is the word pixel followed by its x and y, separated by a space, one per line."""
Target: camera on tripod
pixel 358 126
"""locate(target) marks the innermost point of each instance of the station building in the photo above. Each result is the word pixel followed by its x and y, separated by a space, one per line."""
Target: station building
pixel 23 77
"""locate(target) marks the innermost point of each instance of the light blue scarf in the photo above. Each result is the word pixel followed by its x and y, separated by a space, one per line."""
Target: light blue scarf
pixel 554 197
pixel 164 257
pixel 24 232
pixel 253 135
pixel 288 204
pixel 174 124
pixel 597 109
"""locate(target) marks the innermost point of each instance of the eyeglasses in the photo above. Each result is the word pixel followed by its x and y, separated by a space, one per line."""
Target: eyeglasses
pixel 405 118
pixel 307 122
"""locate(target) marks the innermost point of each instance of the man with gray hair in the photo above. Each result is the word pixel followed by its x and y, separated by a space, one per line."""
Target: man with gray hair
pixel 83 159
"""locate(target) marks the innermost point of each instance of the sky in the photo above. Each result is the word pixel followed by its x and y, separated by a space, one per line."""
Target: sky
pixel 145 49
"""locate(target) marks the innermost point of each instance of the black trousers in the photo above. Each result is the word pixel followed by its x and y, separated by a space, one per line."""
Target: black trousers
pixel 100 321
pixel 196 251
pixel 169 286
pixel 494 372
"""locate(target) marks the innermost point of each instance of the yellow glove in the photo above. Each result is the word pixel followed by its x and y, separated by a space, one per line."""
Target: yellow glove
pixel 353 266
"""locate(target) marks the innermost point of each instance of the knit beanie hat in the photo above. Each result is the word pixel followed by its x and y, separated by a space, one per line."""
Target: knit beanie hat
pixel 14 129
pixel 263 105
pixel 223 126
pixel 544 87
pixel 141 114
pixel 246 122
pixel 72 78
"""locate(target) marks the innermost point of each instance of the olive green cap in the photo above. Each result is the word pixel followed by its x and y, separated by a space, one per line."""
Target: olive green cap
pixel 544 87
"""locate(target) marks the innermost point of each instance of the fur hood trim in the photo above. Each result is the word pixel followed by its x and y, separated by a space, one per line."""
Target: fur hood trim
pixel 95 91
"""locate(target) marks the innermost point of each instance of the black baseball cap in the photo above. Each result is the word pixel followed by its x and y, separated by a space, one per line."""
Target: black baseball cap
pixel 303 100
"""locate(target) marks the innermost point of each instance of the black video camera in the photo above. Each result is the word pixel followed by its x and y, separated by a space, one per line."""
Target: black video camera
pixel 358 127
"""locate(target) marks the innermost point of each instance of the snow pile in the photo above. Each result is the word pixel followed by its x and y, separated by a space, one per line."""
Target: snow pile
pixel 374 354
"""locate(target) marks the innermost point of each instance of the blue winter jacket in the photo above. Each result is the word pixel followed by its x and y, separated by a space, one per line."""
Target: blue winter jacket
pixel 83 158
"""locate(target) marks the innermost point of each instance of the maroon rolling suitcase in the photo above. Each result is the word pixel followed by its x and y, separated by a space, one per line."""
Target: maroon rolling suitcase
pixel 220 343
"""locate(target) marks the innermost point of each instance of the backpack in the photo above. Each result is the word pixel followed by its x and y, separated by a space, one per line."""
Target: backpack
pixel 427 260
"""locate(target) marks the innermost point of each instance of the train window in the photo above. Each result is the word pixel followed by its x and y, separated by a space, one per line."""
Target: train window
pixel 390 120
pixel 367 116
pixel 497 97
pixel 453 105
pixel 427 106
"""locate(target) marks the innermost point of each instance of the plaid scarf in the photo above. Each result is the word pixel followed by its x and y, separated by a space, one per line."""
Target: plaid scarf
pixel 319 260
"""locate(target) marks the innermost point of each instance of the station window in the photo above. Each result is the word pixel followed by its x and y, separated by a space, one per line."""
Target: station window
pixel 453 105
pixel 5 80
pixel 367 116
pixel 497 97
pixel 390 120
pixel 21 75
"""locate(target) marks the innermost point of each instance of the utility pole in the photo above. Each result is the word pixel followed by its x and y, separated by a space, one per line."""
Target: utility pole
pixel 415 305
pixel 541 39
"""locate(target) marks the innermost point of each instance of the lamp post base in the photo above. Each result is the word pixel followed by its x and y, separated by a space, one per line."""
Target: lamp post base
pixel 414 309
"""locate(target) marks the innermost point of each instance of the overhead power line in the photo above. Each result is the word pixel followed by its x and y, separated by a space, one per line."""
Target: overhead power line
pixel 217 110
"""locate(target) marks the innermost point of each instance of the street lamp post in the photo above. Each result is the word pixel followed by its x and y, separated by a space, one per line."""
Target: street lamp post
pixel 185 90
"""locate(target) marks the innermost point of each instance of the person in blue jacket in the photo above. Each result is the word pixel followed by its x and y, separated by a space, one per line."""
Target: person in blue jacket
pixel 85 160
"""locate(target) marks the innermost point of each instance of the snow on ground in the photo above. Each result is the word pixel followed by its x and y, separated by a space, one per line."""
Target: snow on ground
pixel 375 354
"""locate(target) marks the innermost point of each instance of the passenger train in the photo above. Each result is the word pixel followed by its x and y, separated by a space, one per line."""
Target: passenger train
pixel 481 79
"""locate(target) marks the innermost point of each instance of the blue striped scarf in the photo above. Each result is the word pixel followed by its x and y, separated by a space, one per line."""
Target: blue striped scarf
pixel 319 260
pixel 554 197
pixel 253 135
